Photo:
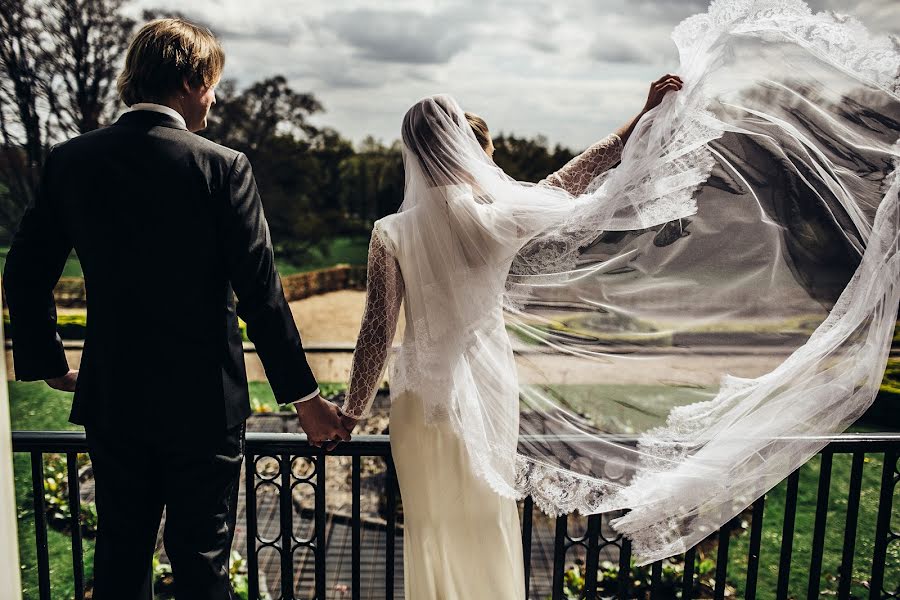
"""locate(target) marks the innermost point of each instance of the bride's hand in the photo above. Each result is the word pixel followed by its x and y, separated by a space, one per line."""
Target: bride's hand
pixel 66 383
pixel 348 422
pixel 659 88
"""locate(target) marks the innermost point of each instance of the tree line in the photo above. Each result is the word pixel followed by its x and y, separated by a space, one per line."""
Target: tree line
pixel 59 60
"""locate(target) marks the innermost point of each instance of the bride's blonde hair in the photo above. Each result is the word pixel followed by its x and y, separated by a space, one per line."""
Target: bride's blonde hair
pixel 480 129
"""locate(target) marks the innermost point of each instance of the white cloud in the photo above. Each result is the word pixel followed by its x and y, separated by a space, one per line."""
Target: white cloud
pixel 572 70
pixel 403 36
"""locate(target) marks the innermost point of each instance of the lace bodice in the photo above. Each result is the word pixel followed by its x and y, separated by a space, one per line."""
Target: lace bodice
pixel 384 293
pixel 577 174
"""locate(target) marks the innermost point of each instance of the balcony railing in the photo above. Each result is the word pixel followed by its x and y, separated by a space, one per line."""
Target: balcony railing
pixel 593 541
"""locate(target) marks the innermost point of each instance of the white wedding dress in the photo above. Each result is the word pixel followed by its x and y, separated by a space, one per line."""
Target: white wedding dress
pixel 758 208
pixel 461 539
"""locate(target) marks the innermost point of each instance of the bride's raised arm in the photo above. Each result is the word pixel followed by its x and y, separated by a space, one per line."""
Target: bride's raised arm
pixel 384 293
pixel 577 174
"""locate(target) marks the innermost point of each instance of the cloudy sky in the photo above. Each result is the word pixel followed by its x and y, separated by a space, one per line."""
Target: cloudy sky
pixel 572 70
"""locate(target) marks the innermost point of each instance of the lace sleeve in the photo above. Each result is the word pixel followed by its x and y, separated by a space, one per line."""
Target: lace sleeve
pixel 577 174
pixel 384 292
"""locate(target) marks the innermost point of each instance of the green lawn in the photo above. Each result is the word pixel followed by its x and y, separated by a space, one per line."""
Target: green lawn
pixel 351 250
pixel 834 534
pixel 340 250
pixel 35 406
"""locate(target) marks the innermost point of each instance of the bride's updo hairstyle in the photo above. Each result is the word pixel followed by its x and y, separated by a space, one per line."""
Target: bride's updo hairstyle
pixel 480 129
pixel 436 132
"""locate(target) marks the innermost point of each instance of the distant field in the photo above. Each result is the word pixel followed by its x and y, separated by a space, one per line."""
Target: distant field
pixel 340 250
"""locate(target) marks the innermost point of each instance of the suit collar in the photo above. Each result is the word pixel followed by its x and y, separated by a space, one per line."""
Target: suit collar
pixel 149 118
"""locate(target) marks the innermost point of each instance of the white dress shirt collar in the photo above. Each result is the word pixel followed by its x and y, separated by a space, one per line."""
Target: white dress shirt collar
pixel 160 108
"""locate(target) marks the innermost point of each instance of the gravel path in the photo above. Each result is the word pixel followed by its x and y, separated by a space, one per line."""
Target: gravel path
pixel 333 319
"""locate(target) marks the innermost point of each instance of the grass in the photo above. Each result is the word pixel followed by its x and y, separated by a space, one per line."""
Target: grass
pixel 834 534
pixel 262 399
pixel 34 406
pixel 351 250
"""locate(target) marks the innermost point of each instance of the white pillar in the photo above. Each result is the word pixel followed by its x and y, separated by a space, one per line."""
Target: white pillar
pixel 9 544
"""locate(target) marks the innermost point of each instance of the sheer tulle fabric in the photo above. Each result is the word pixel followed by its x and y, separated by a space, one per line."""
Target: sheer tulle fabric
pixel 676 334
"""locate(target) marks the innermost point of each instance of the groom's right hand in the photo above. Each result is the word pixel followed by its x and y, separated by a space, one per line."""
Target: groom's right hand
pixel 321 422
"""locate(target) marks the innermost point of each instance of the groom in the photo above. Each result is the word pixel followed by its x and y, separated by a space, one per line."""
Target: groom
pixel 166 225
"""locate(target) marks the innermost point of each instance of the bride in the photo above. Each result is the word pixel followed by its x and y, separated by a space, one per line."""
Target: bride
pixel 444 257
pixel 757 206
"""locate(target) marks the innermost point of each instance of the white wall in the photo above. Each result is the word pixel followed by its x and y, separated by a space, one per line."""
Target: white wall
pixel 9 551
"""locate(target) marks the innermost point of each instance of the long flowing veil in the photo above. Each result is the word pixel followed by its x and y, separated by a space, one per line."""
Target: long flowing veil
pixel 693 326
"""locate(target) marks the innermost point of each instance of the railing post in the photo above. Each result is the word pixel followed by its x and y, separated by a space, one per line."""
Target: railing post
pixel 391 529
pixel 882 525
pixel 756 525
pixel 75 509
pixel 321 546
pixel 250 512
pixel 818 544
pixel 592 562
pixel 655 579
pixel 287 529
pixel 850 525
pixel 559 557
pixel 722 560
pixel 687 578
pixel 787 535
pixel 527 523
pixel 624 569
pixel 356 467
pixel 40 524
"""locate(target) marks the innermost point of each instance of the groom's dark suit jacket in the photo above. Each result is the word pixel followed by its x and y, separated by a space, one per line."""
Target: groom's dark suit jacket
pixel 166 224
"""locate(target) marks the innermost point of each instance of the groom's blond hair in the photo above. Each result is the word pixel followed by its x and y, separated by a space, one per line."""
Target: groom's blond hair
pixel 163 54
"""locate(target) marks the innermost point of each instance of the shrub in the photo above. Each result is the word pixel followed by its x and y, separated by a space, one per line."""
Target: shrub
pixel 639 586
pixel 164 583
pixel 56 498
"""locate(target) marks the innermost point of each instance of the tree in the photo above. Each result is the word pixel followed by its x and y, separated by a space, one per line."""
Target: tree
pixel 88 38
pixel 255 117
pixel 21 125
pixel 526 159
pixel 268 121
pixel 373 182
pixel 58 65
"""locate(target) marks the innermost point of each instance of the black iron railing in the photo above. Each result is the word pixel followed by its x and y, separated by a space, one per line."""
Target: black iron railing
pixel 593 541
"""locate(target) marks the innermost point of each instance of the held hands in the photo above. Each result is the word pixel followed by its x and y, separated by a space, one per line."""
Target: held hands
pixel 66 383
pixel 659 88
pixel 321 422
